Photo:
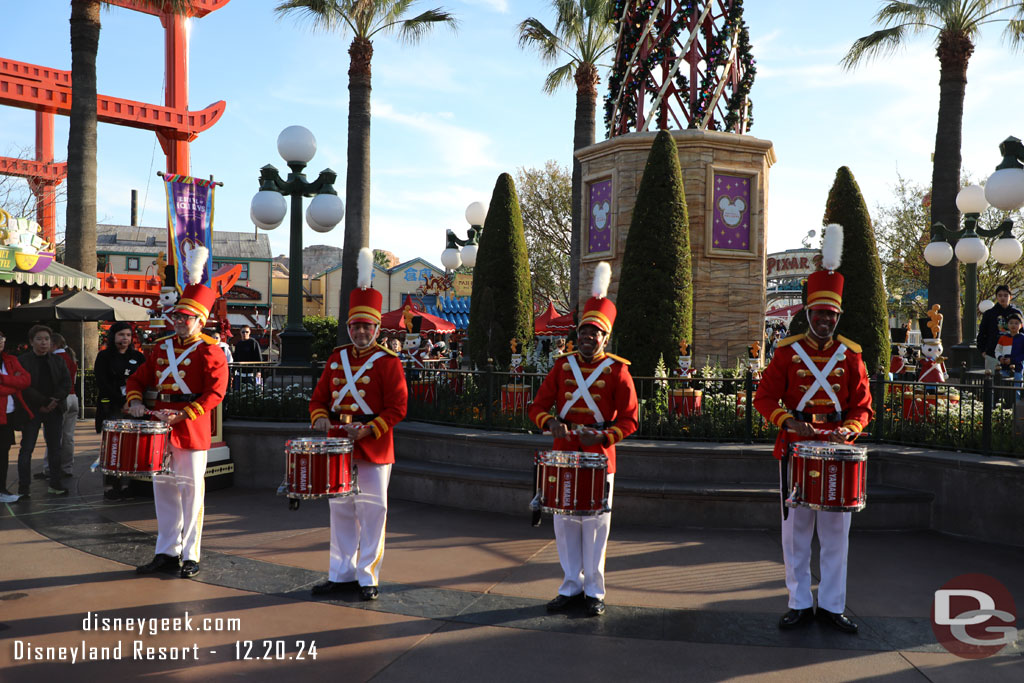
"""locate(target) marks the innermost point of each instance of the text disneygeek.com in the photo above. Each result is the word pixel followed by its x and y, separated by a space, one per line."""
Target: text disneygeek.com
pixel 277 649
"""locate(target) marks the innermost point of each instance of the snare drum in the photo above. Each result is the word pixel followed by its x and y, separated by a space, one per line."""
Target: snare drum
pixel 319 467
pixel 132 447
pixel 828 476
pixel 571 483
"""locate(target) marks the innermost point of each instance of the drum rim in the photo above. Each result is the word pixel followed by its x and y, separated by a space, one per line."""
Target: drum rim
pixel 833 457
pixel 586 460
pixel 578 513
pixel 831 508
pixel 137 426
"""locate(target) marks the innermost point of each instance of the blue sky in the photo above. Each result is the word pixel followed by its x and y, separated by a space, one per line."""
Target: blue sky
pixel 453 112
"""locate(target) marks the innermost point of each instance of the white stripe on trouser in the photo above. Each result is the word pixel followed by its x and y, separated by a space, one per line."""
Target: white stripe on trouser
pixel 834 537
pixel 178 497
pixel 357 527
pixel 582 542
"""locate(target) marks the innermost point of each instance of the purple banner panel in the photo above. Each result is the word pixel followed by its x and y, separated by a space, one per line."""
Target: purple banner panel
pixel 730 227
pixel 189 223
pixel 599 231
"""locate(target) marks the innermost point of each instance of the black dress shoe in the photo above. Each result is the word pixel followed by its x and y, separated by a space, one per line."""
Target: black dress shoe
pixel 189 568
pixel 595 606
pixel 837 620
pixel 328 587
pixel 796 618
pixel 167 564
pixel 563 602
pixel 369 593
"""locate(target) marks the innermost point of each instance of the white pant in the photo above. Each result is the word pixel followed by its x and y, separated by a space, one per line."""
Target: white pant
pixel 357 527
pixel 178 498
pixel 834 538
pixel 582 542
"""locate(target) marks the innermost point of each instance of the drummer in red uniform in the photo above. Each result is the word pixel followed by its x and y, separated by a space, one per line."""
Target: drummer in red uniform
pixel 595 407
pixel 363 382
pixel 816 382
pixel 190 373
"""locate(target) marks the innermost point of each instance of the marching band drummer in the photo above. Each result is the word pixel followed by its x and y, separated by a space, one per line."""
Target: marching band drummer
pixel 190 373
pixel 595 407
pixel 821 384
pixel 362 382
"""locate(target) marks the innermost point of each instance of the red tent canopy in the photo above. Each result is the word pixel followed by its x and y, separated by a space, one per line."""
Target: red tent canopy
pixel 785 312
pixel 394 321
pixel 551 323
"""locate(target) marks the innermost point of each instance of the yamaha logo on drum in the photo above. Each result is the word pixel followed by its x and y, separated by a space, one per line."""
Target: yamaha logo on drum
pixel 304 474
pixel 567 486
pixel 833 481
pixel 115 450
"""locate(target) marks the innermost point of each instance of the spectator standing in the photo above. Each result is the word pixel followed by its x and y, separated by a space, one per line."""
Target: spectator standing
pixel 993 324
pixel 118 359
pixel 67 439
pixel 223 346
pixel 13 380
pixel 247 349
pixel 45 397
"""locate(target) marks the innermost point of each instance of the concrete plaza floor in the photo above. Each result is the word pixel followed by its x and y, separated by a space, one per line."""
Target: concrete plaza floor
pixel 462 598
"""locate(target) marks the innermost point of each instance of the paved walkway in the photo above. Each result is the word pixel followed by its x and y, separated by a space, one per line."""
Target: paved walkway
pixel 462 599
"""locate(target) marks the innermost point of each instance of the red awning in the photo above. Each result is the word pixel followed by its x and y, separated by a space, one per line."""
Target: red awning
pixel 550 322
pixel 785 312
pixel 394 321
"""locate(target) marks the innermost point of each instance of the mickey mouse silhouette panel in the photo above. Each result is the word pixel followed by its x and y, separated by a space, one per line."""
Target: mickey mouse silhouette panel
pixel 599 214
pixel 732 219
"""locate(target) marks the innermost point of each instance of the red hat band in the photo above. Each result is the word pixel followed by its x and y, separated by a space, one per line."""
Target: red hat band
pixel 364 306
pixel 825 290
pixel 196 300
pixel 600 313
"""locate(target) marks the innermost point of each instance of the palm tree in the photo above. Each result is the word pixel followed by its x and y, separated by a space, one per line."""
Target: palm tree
pixel 364 19
pixel 80 219
pixel 583 33
pixel 957 24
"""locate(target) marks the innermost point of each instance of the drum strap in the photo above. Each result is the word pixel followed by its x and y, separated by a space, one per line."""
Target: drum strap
pixel 351 382
pixel 820 376
pixel 583 388
pixel 172 365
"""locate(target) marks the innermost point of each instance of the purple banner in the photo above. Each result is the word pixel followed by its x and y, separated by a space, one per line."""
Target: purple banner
pixel 599 230
pixel 730 227
pixel 189 223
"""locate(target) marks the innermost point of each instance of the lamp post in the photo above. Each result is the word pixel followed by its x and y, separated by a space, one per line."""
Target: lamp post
pixel 296 145
pixel 1003 190
pixel 451 257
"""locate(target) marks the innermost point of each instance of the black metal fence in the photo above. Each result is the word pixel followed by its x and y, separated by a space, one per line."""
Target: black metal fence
pixel 968 415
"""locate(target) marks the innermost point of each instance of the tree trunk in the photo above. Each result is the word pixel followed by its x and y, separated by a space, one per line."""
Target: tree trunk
pixel 583 136
pixel 80 235
pixel 954 52
pixel 357 176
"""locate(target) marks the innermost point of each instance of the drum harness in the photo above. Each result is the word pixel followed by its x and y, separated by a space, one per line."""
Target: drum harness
pixel 172 365
pixel 351 383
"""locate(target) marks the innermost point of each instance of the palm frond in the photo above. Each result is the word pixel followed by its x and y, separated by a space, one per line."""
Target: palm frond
pixel 325 15
pixel 1013 34
pixel 532 33
pixel 882 42
pixel 412 30
pixel 569 18
pixel 907 12
pixel 563 75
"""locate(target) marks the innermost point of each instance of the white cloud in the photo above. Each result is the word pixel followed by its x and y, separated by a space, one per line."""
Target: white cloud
pixel 457 150
pixel 496 5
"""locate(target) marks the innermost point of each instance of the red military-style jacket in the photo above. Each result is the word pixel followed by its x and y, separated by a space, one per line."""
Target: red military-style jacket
pixel 613 393
pixel 205 372
pixel 382 388
pixel 786 380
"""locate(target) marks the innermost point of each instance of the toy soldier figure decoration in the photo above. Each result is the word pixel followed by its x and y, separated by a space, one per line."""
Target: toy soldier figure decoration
pixel 190 374
pixel 362 387
pixel 595 406
pixel 815 388
pixel 932 367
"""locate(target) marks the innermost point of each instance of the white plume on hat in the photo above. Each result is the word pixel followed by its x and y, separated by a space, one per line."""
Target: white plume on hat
pixel 195 261
pixel 602 278
pixel 364 268
pixel 832 247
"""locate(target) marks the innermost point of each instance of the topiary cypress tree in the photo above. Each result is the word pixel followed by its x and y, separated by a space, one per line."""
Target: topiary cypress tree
pixel 865 317
pixel 502 304
pixel 655 302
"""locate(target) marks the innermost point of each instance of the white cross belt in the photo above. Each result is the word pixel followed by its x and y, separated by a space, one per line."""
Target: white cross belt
pixel 583 388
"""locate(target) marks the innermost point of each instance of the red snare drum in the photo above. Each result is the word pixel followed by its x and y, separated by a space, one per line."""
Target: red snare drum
pixel 319 467
pixel 514 398
pixel 686 402
pixel 131 447
pixel 571 483
pixel 828 476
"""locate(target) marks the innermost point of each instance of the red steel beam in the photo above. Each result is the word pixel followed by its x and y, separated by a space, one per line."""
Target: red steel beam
pixel 200 7
pixel 26 168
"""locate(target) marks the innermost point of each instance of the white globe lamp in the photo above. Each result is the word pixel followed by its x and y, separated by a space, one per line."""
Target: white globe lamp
pixel 296 143
pixel 971 199
pixel 325 211
pixel 1007 250
pixel 476 213
pixel 268 209
pixel 450 258
pixel 469 255
pixel 1005 189
pixel 971 250
pixel 938 254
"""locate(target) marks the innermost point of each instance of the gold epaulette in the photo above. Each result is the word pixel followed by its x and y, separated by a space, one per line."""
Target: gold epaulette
pixel 343 346
pixel 387 350
pixel 208 339
pixel 618 358
pixel 849 343
pixel 789 340
pixel 564 355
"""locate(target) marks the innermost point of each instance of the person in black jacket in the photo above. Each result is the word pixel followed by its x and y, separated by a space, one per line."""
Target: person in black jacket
pixel 46 399
pixel 993 323
pixel 113 365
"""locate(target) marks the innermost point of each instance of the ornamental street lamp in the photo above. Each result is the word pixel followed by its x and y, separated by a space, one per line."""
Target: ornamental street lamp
pixel 297 146
pixel 451 257
pixel 1003 190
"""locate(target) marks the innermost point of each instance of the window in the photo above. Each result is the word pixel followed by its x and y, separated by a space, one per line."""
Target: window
pixel 133 264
